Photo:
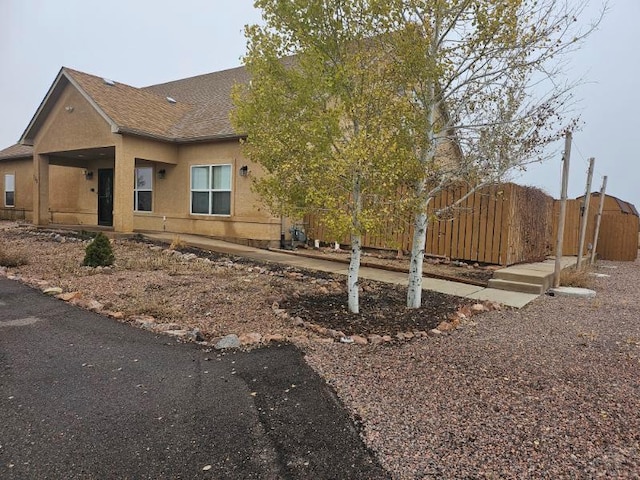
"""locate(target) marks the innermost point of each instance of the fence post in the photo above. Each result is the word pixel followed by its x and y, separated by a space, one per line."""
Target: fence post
pixel 585 213
pixel 563 209
pixel 599 219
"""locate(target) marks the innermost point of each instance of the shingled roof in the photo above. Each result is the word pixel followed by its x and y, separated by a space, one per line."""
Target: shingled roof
pixel 16 152
pixel 190 109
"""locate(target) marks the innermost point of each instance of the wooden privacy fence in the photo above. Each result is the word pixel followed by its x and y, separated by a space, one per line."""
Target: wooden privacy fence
pixel 499 224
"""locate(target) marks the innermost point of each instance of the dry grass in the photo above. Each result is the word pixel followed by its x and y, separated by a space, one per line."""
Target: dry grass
pixel 177 243
pixel 572 277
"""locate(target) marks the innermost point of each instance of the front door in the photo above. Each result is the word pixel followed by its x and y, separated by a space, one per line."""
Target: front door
pixel 105 196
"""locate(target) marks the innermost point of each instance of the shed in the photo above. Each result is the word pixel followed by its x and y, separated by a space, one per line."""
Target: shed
pixel 618 238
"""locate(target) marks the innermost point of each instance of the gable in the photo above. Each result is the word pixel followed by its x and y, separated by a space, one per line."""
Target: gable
pixel 71 122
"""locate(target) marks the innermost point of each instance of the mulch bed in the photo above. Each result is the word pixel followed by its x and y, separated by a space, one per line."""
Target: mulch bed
pixel 383 310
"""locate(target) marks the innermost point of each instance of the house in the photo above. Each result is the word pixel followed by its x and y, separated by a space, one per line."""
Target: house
pixel 159 158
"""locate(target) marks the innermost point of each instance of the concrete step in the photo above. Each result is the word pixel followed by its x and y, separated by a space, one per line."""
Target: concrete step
pixel 514 286
pixel 544 279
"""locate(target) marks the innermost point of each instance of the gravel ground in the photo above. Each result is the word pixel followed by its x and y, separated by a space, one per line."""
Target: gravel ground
pixel 550 391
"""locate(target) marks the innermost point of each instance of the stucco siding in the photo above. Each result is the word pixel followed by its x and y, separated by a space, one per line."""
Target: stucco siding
pixel 72 125
pixel 22 170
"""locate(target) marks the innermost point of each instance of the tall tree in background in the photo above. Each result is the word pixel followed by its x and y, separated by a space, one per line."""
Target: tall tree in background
pixel 321 117
pixel 485 88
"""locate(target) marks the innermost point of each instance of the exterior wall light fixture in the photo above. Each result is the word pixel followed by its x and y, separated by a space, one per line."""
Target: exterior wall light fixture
pixel 244 171
pixel 162 173
pixel 88 174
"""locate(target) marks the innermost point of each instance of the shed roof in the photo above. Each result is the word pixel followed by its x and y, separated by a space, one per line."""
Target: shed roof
pixel 625 207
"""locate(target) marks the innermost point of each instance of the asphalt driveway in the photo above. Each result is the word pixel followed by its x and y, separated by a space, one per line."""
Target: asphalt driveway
pixel 83 396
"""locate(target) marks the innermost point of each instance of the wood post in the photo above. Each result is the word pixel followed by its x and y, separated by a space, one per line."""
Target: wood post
pixel 599 219
pixel 563 209
pixel 585 213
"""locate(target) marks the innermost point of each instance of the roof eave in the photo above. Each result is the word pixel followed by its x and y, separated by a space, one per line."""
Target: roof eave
pixel 163 138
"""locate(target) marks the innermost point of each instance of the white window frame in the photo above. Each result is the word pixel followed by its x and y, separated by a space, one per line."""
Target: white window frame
pixel 210 190
pixel 6 189
pixel 136 189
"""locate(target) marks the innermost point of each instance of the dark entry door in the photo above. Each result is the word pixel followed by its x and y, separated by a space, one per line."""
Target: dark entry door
pixel 105 196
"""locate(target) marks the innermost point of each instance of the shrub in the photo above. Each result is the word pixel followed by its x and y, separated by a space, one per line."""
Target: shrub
pixel 11 259
pixel 571 277
pixel 99 252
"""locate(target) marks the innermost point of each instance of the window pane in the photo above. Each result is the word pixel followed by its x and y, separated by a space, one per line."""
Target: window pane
pixel 199 202
pixel 9 182
pixel 9 199
pixel 143 201
pixel 222 177
pixel 144 177
pixel 199 178
pixel 221 203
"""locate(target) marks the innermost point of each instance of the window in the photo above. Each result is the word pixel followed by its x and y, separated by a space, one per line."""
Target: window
pixel 143 189
pixel 9 190
pixel 211 189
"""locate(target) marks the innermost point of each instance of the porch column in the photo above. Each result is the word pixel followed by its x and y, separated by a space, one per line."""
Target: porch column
pixel 123 189
pixel 40 189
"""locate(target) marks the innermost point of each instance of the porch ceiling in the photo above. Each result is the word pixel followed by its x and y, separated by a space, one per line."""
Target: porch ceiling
pixel 83 154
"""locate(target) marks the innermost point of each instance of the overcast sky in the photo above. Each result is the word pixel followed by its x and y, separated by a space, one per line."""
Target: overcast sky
pixel 144 42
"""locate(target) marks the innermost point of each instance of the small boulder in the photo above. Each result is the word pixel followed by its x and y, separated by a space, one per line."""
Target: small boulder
pixel 375 339
pixel 434 332
pixel 228 341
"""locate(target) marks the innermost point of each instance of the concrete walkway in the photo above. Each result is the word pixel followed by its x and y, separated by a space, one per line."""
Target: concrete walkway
pixel 509 298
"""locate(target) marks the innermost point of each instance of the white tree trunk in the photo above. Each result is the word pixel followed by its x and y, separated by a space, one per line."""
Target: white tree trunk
pixel 352 278
pixel 414 291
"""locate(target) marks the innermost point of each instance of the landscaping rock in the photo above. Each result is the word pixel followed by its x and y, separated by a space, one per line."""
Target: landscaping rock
pixel 229 341
pixel 250 338
pixel 275 337
pixel 163 327
pixel 387 338
pixel 434 332
pixel 67 297
pixel 445 327
pixel 358 340
pixel 375 339
pixel 478 308
pixel 178 333
pixel 334 334
pixel 93 305
pixel 196 335
pixel 52 291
